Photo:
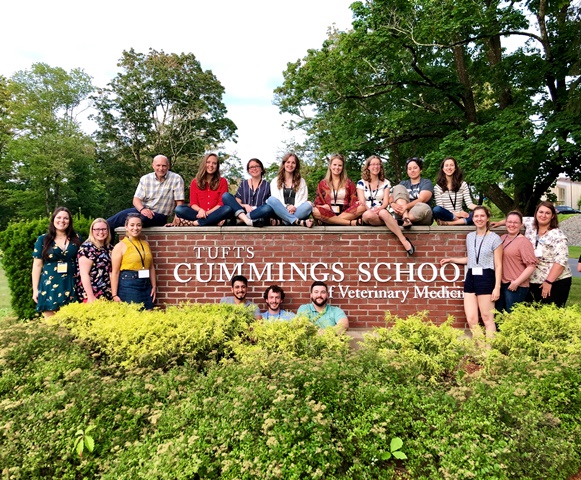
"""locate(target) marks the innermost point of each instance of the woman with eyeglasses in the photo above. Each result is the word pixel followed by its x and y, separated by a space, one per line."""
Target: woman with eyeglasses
pixel 336 201
pixel 94 259
pixel 518 264
pixel 206 190
pixel 450 193
pixel 54 267
pixel 249 205
pixel 410 199
pixel 373 192
pixel 133 274
pixel 289 195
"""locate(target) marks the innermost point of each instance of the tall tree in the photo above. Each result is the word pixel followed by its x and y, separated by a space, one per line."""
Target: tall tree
pixel 159 103
pixel 435 79
pixel 48 161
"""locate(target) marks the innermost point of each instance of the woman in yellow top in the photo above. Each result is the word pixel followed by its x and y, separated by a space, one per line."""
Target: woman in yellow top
pixel 133 273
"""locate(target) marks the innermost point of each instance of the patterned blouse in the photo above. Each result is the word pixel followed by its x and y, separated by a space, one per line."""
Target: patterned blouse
pixel 554 247
pixel 100 272
pixel 373 197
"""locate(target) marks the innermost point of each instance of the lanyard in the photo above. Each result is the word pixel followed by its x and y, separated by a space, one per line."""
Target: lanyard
pixel 335 194
pixel 480 248
pixel 254 193
pixel 453 202
pixel 538 238
pixel 141 257
pixel 373 194
pixel 507 245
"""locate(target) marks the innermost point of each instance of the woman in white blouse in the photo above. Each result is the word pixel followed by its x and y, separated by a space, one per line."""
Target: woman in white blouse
pixel 289 194
pixel 373 192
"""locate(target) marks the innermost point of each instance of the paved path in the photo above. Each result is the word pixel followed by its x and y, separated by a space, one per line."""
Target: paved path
pixel 573 265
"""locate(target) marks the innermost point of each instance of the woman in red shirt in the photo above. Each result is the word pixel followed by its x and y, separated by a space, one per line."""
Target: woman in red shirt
pixel 206 190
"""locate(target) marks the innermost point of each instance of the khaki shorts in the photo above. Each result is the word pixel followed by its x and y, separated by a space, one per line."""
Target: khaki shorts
pixel 421 212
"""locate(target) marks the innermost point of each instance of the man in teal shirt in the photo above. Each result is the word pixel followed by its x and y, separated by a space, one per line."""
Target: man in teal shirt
pixel 322 314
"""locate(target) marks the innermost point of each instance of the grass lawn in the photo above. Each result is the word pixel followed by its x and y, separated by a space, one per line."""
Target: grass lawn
pixel 4 291
pixel 574 251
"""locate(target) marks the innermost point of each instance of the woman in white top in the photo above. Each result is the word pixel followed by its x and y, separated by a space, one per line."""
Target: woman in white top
pixel 450 193
pixel 373 192
pixel 289 194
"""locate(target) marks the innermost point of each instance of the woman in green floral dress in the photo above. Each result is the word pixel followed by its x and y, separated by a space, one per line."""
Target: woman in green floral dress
pixel 55 264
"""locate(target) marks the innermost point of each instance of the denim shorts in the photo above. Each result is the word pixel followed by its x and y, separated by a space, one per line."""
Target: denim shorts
pixel 133 289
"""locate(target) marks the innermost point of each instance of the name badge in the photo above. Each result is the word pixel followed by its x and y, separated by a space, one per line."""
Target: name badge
pixel 539 252
pixel 477 271
pixel 61 267
pixel 336 209
pixel 143 273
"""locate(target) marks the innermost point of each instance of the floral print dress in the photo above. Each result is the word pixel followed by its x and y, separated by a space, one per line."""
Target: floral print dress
pixel 100 272
pixel 57 279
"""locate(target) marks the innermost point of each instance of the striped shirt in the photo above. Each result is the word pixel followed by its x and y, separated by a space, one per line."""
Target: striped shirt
pixel 452 201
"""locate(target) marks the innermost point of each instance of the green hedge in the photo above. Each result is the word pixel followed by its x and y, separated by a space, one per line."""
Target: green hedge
pixel 276 415
pixel 17 243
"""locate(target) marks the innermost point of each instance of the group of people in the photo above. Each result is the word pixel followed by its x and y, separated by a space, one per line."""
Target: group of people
pixel 503 271
pixel 496 278
pixel 318 310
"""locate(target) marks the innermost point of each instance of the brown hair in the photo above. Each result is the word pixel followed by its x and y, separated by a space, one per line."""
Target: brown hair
pixel 201 175
pixel 365 169
pixel 296 173
pixel 554 220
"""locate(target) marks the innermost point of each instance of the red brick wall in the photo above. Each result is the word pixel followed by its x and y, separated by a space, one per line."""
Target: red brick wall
pixel 350 249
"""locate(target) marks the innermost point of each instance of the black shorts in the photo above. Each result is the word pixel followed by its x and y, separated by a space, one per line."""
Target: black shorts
pixel 480 284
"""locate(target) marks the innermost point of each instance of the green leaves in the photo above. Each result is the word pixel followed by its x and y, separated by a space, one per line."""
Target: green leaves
pixel 84 441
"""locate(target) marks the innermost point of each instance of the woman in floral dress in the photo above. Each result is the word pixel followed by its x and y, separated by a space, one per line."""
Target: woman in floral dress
pixel 54 268
pixel 94 259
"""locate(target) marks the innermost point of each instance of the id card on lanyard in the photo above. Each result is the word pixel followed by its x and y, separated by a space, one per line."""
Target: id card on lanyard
pixel 144 272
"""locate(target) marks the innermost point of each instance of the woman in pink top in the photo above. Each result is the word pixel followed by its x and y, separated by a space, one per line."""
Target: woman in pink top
pixel 518 263
pixel 206 190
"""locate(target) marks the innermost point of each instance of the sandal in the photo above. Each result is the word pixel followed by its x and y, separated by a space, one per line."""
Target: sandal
pixel 177 222
pixel 275 222
pixel 308 223
pixel 407 223
pixel 358 222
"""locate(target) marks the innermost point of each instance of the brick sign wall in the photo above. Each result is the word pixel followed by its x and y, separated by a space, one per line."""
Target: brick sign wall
pixel 366 268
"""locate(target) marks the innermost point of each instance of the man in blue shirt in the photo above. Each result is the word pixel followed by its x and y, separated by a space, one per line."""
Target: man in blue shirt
pixel 322 314
pixel 273 296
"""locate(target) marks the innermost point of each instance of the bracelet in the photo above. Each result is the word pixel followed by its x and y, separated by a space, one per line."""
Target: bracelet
pixel 142 208
pixel 115 296
pixel 549 282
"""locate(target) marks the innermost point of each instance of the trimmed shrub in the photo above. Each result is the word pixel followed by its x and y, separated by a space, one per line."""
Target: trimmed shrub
pixel 17 243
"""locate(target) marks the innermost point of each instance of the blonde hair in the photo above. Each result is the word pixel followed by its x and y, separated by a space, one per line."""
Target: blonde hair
pixel 342 175
pixel 91 237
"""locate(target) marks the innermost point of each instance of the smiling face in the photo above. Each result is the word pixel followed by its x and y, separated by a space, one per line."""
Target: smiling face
pixel 374 167
pixel 336 167
pixel 414 171
pixel 513 224
pixel 160 166
pixel 239 290
pixel 544 216
pixel 61 221
pixel 290 165
pixel 273 301
pixel 449 167
pixel 254 169
pixel 100 232
pixel 480 218
pixel 211 165
pixel 319 296
pixel 133 227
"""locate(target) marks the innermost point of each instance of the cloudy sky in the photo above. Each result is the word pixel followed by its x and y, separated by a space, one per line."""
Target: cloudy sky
pixel 246 44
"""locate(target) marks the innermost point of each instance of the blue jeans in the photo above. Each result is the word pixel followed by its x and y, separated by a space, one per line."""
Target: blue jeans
pixel 133 289
pixel 302 213
pixel 264 211
pixel 508 299
pixel 214 218
pixel 440 213
pixel 118 220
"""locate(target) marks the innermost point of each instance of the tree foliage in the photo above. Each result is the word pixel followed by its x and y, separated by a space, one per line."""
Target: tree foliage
pixel 494 84
pixel 158 103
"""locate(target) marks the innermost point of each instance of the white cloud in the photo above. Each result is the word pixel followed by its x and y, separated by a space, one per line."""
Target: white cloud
pixel 246 44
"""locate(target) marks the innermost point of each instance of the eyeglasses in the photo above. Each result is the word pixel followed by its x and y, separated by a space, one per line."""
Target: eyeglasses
pixel 253 167
pixel 100 229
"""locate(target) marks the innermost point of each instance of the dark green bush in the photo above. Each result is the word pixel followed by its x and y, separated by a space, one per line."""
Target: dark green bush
pixel 17 243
